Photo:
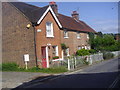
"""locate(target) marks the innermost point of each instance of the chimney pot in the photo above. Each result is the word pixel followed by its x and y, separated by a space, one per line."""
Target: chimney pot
pixel 75 15
pixel 54 7
pixel 52 3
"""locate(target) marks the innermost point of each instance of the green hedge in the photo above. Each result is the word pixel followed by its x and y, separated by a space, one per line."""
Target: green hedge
pixel 92 51
pixel 82 52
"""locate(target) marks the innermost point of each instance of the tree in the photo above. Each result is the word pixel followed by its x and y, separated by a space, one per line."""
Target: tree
pixel 100 34
pixel 104 43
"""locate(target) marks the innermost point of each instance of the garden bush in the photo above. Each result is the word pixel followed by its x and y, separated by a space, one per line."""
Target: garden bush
pixel 82 52
pixel 108 55
pixel 92 51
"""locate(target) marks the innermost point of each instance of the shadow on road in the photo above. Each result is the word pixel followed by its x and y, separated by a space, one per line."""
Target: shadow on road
pixel 81 80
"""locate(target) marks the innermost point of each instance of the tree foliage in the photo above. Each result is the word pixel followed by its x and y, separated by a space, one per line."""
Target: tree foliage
pixel 104 42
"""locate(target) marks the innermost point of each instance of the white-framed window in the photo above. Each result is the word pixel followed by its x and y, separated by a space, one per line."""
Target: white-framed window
pixel 87 36
pixel 79 47
pixel 66 34
pixel 67 52
pixel 55 50
pixel 49 29
pixel 78 35
pixel 85 47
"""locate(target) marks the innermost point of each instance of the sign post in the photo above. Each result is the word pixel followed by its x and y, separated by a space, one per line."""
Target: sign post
pixel 26 59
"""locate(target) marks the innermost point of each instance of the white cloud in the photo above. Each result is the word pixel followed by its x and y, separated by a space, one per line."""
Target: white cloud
pixel 106 26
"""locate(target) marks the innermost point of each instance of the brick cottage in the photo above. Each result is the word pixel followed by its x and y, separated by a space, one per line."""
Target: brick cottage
pixel 39 33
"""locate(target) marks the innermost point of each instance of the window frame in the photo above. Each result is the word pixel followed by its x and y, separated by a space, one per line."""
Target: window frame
pixel 51 29
pixel 65 33
pixel 87 36
pixel 78 35
pixel 56 50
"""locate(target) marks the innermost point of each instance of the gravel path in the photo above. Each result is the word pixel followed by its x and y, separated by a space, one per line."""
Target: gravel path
pixel 14 79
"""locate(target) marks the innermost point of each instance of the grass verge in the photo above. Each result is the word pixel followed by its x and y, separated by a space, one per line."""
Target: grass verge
pixel 14 67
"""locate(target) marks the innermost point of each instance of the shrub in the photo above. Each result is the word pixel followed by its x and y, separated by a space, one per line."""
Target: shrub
pixel 108 55
pixel 92 51
pixel 11 66
pixel 63 46
pixel 56 57
pixel 82 52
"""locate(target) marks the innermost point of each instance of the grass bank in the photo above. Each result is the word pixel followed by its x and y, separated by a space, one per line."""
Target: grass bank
pixel 14 67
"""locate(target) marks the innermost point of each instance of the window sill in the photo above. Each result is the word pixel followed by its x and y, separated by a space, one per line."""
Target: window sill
pixel 49 36
pixel 78 37
pixel 66 37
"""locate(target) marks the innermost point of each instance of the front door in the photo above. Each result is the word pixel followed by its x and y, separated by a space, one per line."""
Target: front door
pixel 44 63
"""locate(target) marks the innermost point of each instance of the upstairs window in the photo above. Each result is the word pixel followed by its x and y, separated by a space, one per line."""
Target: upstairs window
pixel 66 34
pixel 87 36
pixel 67 51
pixel 49 29
pixel 78 35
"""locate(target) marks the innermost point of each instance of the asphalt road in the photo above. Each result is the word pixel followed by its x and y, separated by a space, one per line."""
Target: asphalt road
pixel 102 75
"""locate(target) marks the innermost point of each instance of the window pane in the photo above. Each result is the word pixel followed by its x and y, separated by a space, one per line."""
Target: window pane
pixel 49 29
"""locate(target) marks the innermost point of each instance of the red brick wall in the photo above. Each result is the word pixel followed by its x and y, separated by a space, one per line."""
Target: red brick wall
pixel 42 40
pixel 73 42
pixel 17 40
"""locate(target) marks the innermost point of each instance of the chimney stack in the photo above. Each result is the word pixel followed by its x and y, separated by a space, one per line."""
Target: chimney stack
pixel 54 7
pixel 75 15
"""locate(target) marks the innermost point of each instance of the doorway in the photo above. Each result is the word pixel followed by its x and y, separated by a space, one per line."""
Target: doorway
pixel 44 60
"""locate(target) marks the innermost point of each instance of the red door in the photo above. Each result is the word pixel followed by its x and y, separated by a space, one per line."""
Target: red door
pixel 44 63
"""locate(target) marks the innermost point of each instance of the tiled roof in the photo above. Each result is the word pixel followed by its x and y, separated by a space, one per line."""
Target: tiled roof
pixel 34 13
pixel 72 24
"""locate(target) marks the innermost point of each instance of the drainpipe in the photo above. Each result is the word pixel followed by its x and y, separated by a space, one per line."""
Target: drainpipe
pixel 35 44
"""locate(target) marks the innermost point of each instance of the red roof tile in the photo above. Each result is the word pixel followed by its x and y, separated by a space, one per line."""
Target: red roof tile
pixel 72 24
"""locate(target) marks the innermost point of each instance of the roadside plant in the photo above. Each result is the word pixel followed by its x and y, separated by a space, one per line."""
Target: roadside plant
pixel 82 52
pixel 10 66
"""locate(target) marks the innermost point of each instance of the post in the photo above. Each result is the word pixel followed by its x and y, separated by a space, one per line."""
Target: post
pixel 62 55
pixel 75 61
pixel 90 60
pixel 26 65
pixel 68 64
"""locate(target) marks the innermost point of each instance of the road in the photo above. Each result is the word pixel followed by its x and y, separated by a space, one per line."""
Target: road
pixel 101 75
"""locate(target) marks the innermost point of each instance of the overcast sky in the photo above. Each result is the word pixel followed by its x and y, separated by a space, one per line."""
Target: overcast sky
pixel 101 16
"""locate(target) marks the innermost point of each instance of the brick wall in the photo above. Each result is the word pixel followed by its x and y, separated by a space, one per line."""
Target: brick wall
pixel 73 42
pixel 42 40
pixel 17 40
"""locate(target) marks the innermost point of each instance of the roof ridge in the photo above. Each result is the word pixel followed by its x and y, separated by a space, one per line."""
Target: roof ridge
pixel 65 15
pixel 28 4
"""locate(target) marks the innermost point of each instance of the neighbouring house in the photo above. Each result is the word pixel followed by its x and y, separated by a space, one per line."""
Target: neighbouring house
pixel 38 32
pixel 74 32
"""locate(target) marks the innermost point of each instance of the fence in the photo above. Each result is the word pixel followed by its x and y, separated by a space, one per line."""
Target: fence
pixel 73 62
pixel 116 53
